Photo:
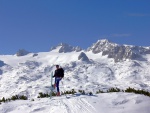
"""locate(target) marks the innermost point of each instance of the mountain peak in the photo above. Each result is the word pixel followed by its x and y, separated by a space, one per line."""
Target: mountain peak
pixel 63 44
pixel 64 48
pixel 118 52
pixel 22 52
pixel 106 41
pixel 103 40
pixel 101 45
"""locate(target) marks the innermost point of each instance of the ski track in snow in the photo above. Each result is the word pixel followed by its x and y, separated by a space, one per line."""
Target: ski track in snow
pixel 102 103
pixel 75 105
pixel 55 105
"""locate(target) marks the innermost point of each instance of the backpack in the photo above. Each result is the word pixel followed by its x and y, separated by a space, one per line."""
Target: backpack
pixel 61 72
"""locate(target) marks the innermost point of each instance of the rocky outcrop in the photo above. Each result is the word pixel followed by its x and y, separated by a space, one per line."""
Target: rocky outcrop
pixel 64 48
pixel 2 63
pixel 22 52
pixel 83 57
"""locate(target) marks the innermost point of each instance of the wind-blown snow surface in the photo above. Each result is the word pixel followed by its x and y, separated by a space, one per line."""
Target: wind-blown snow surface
pixel 102 103
pixel 28 75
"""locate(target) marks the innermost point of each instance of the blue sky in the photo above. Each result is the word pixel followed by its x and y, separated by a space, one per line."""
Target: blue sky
pixel 37 25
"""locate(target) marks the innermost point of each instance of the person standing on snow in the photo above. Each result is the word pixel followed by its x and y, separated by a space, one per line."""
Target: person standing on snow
pixel 59 74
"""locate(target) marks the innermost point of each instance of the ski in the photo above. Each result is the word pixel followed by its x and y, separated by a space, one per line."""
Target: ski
pixel 51 86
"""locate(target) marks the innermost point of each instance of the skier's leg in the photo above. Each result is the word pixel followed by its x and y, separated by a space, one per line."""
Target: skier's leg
pixel 57 85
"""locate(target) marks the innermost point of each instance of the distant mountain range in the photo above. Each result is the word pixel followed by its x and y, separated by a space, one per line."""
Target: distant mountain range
pixel 112 50
pixel 104 46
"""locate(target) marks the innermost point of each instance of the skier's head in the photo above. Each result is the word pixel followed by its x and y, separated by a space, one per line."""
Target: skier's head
pixel 57 66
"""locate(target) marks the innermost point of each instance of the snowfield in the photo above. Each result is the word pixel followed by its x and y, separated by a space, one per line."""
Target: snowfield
pixel 102 103
pixel 30 74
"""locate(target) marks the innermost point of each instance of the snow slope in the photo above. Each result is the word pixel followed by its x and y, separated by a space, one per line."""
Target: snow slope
pixel 102 103
pixel 30 74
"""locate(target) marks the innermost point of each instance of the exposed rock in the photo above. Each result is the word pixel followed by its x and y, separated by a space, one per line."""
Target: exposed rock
pixel 22 52
pixel 83 57
pixel 35 54
pixel 2 63
pixel 64 48
pixel 1 72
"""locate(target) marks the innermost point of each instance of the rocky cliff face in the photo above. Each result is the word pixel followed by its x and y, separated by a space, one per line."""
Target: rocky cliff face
pixel 118 52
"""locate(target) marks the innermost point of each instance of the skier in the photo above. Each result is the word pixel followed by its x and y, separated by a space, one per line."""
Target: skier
pixel 59 74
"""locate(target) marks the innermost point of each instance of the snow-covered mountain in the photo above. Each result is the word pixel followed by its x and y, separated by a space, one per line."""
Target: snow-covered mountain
pixel 102 66
pixel 118 52
pixel 64 48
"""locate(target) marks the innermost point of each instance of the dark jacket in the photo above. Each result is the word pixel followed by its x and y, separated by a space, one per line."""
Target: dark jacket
pixel 57 73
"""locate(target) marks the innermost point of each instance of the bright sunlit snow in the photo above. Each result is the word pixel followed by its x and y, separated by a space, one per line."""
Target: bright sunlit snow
pixel 30 74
